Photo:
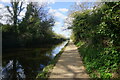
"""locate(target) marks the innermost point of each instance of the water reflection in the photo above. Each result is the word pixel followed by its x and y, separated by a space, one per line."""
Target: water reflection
pixel 25 64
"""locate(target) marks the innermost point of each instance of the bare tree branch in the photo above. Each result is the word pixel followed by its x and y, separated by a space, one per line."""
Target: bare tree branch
pixel 8 8
pixel 20 9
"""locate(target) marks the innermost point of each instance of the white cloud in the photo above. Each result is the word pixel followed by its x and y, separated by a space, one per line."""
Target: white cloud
pixel 59 15
pixel 3 14
pixel 63 9
pixel 57 23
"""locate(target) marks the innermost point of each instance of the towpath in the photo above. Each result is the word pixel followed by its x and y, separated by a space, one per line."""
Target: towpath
pixel 69 65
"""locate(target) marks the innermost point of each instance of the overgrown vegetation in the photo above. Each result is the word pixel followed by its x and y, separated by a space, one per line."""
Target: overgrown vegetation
pixel 97 34
pixel 47 70
pixel 35 28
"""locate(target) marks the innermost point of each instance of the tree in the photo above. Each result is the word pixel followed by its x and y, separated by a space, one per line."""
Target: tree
pixel 15 12
pixel 99 29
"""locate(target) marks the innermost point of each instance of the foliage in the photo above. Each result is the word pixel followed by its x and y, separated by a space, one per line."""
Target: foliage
pixel 99 29
pixel 34 28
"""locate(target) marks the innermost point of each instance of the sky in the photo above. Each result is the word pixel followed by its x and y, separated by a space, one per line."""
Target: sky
pixel 58 9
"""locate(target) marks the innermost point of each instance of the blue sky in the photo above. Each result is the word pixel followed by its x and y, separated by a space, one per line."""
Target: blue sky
pixel 58 5
pixel 60 11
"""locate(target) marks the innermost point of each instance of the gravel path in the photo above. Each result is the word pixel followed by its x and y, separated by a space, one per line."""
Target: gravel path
pixel 69 65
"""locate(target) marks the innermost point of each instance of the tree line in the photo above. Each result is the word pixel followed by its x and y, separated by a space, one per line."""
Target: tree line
pixel 97 33
pixel 34 28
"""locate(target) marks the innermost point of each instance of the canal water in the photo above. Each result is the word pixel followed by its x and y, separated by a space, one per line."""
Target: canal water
pixel 26 63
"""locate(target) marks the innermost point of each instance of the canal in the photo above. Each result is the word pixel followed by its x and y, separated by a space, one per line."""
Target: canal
pixel 25 63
